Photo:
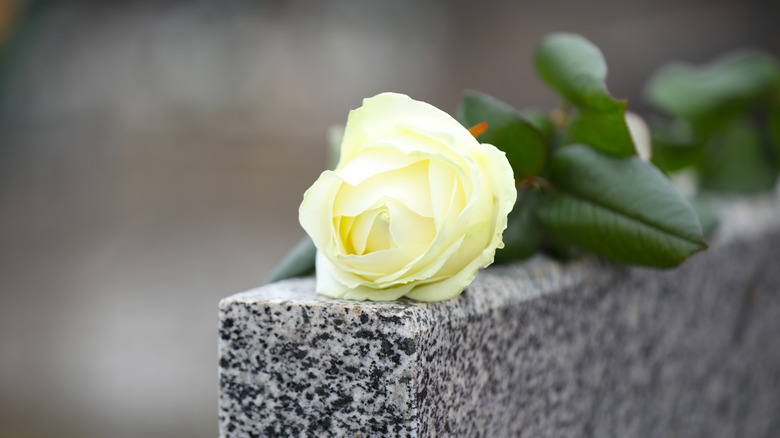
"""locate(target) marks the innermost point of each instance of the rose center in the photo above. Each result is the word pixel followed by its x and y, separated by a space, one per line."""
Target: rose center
pixel 379 238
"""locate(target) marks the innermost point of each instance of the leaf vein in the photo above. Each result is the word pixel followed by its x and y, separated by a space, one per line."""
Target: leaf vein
pixel 633 218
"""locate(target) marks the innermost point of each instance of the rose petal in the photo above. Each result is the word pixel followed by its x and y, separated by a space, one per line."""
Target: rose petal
pixel 316 211
pixel 501 175
pixel 373 161
pixel 408 185
pixel 382 114
pixel 415 271
pixel 414 144
pixel 456 146
pixel 379 237
pixel 326 283
pixel 358 237
pixel 343 226
pixel 367 293
pixel 444 289
pixel 442 181
pixel 409 228
pixel 329 286
pixel 474 242
pixel 378 264
pixel 439 250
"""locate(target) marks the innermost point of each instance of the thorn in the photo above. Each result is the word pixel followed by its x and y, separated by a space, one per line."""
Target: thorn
pixel 478 129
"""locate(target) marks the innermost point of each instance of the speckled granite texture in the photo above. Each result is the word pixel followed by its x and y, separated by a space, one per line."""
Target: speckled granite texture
pixel 534 349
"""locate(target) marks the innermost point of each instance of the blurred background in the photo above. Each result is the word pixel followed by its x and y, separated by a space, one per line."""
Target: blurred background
pixel 153 156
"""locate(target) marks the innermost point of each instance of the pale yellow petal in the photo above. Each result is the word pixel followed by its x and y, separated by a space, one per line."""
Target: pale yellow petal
pixel 416 271
pixel 368 293
pixel 442 181
pixel 476 240
pixel 479 207
pixel 326 282
pixel 444 289
pixel 329 286
pixel 358 235
pixel 343 273
pixel 408 185
pixel 436 253
pixel 316 211
pixel 409 228
pixel 380 115
pixel 379 237
pixel 343 226
pixel 502 180
pixel 444 243
pixel 457 145
pixel 375 265
pixel 373 161
pixel 416 144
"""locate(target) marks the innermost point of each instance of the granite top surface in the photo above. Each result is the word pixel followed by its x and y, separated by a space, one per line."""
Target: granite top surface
pixel 494 287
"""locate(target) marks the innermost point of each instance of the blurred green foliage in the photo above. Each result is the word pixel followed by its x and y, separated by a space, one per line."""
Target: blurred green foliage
pixel 723 121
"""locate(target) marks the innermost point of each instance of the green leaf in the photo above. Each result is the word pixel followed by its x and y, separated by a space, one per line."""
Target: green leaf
pixel 621 208
pixel 576 68
pixel 672 157
pixel 298 262
pixel 540 119
pixel 727 85
pixel 523 144
pixel 523 233
pixel 604 130
pixel 736 161
pixel 558 249
pixel 675 146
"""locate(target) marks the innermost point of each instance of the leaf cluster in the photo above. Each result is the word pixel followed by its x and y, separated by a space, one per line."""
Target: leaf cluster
pixel 581 185
pixel 722 120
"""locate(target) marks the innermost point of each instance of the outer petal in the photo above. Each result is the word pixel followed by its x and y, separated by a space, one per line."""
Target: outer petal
pixel 445 289
pixel 367 293
pixel 380 115
pixel 503 182
pixel 502 177
pixel 328 285
pixel 316 211
pixel 373 161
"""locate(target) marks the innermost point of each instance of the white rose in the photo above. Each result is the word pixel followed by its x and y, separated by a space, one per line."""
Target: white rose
pixel 414 208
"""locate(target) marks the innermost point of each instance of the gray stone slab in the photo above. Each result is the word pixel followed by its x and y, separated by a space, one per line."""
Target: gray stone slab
pixel 533 349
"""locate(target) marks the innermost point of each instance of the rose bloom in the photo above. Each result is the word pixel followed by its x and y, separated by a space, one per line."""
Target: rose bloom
pixel 415 206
